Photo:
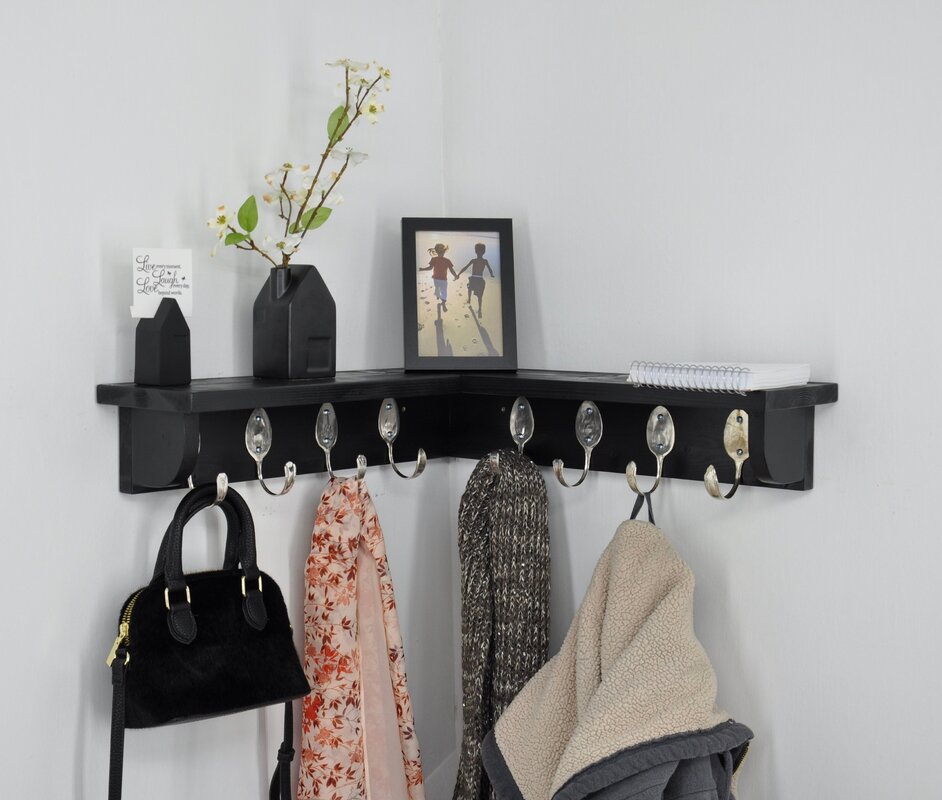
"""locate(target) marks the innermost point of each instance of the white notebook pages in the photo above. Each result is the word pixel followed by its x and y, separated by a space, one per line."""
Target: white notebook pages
pixel 718 376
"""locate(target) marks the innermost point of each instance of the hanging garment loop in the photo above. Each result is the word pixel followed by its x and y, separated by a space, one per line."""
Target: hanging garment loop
pixel 641 499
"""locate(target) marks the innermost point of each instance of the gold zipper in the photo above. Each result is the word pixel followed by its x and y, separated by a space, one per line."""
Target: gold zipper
pixel 124 630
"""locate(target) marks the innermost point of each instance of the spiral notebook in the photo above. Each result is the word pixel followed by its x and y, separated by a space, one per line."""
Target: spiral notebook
pixel 717 376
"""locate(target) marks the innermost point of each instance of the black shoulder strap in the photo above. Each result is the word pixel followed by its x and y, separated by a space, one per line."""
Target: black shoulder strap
pixel 117 725
pixel 280 788
pixel 280 783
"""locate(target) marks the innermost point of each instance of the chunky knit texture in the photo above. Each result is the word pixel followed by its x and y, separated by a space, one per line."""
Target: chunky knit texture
pixel 503 545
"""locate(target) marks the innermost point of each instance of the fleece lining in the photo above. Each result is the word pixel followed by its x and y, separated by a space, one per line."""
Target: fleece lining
pixel 631 690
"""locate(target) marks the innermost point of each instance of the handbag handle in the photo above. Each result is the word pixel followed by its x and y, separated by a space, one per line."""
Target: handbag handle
pixel 231 557
pixel 180 617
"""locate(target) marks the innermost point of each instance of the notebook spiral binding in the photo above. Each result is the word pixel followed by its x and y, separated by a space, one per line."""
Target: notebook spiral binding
pixel 690 377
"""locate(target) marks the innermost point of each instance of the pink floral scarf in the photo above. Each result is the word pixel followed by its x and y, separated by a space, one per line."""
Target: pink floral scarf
pixel 357 733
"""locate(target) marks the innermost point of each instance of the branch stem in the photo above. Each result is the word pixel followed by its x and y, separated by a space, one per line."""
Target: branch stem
pixel 253 246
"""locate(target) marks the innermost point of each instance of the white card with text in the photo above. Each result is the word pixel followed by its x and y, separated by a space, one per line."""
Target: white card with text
pixel 160 273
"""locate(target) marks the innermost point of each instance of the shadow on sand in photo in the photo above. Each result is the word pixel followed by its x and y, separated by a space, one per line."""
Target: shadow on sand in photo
pixel 444 346
pixel 485 336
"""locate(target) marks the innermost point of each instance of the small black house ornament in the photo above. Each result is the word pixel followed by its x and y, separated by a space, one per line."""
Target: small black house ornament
pixel 162 347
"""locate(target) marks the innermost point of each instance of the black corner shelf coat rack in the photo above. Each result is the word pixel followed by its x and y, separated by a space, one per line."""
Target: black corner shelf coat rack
pixel 167 434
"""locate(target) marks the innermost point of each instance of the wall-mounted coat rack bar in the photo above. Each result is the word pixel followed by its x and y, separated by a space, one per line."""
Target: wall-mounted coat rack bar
pixel 168 434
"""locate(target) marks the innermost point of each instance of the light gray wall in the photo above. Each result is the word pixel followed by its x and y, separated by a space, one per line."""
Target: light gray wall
pixel 125 124
pixel 688 181
pixel 743 181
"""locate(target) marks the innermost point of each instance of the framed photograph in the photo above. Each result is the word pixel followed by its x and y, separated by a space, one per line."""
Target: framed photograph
pixel 458 294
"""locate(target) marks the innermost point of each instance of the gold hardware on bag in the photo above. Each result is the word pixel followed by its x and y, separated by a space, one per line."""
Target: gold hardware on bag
pixel 122 636
pixel 167 596
pixel 243 585
pixel 124 630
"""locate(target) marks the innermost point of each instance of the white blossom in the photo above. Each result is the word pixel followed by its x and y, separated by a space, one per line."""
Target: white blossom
pixel 384 73
pixel 281 244
pixel 222 219
pixel 372 108
pixel 220 223
pixel 346 63
pixel 349 154
pixel 275 176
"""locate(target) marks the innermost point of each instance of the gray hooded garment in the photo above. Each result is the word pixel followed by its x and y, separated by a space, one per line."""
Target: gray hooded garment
pixel 626 710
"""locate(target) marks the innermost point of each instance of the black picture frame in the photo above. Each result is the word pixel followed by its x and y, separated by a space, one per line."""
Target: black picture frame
pixel 432 336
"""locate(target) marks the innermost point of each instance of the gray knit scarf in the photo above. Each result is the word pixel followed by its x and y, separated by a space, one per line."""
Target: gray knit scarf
pixel 503 545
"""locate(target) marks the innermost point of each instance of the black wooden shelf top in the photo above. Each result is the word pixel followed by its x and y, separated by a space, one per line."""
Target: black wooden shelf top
pixel 226 394
pixel 614 388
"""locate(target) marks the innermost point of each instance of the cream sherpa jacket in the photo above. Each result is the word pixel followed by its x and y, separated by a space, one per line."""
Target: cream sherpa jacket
pixel 626 709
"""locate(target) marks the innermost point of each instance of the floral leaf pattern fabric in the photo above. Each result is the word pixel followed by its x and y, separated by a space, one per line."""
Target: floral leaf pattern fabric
pixel 348 737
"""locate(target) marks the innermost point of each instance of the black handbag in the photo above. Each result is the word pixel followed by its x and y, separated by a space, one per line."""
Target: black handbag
pixel 204 644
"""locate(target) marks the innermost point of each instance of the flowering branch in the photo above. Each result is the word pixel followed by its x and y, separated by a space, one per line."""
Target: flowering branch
pixel 298 207
pixel 340 128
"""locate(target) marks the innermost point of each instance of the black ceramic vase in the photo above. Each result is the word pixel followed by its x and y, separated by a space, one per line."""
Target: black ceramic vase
pixel 294 332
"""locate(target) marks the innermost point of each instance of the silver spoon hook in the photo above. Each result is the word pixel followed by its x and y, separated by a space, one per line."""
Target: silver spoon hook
pixel 660 435
pixel 388 424
pixel 222 483
pixel 521 422
pixel 258 439
pixel 736 444
pixel 326 431
pixel 589 433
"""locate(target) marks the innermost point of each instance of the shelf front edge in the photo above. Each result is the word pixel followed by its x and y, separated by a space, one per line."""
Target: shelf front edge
pixel 207 395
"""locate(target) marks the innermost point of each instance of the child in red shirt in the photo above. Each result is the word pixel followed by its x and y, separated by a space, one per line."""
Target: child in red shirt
pixel 440 267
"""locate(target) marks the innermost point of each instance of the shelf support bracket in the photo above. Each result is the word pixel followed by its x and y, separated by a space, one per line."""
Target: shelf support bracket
pixel 786 457
pixel 158 449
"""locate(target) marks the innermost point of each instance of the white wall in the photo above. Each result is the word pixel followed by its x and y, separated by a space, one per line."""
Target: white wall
pixel 714 179
pixel 125 123
pixel 743 181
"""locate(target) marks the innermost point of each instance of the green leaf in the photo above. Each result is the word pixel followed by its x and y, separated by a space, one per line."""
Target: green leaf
pixel 337 124
pixel 313 219
pixel 235 238
pixel 248 214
